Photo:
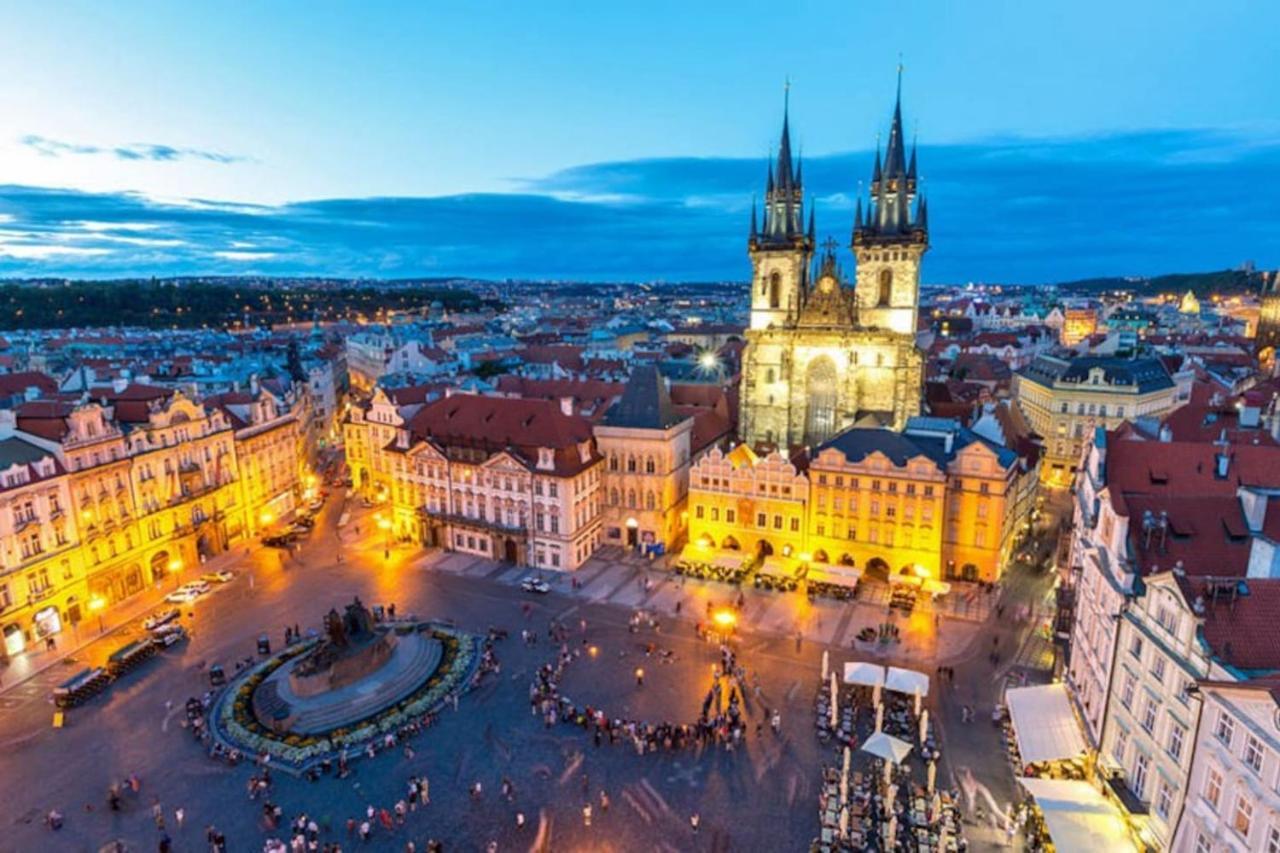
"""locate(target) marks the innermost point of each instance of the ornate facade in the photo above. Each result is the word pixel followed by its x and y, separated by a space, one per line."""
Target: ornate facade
pixel 823 353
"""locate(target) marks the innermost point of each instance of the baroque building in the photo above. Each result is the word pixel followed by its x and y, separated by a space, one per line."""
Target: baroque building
pixel 822 353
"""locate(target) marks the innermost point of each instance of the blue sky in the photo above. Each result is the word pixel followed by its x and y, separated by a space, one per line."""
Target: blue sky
pixel 559 140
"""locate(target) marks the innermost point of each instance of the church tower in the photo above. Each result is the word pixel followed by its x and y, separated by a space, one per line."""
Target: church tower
pixel 781 251
pixel 891 238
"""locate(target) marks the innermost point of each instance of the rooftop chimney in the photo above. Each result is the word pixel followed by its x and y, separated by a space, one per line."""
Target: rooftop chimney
pixel 119 384
pixel 566 405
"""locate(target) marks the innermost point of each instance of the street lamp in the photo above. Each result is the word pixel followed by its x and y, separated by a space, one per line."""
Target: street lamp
pixel 96 604
pixel 385 524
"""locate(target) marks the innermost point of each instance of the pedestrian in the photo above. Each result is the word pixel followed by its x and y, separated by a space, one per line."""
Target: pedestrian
pixel 694 820
pixel 179 815
pixel 639 677
pixel 604 801
pixel 365 830
pixel 586 815
pixel 519 820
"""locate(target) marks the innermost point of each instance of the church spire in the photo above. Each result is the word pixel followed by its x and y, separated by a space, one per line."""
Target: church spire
pixel 891 209
pixel 784 193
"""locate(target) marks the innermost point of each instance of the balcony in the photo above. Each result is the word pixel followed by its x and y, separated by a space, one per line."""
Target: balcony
pixel 1128 799
pixel 474 523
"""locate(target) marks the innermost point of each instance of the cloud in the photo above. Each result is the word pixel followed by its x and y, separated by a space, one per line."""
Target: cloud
pixel 140 151
pixel 1006 210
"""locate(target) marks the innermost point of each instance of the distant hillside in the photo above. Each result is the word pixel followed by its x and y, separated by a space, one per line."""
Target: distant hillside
pixel 1201 283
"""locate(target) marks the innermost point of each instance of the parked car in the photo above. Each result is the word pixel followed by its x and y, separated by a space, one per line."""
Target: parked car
pixel 316 505
pixel 160 617
pixel 279 540
pixel 167 635
pixel 181 596
pixel 305 521
pixel 220 576
pixel 537 585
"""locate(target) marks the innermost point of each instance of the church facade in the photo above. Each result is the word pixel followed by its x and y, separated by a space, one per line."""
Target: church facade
pixel 824 353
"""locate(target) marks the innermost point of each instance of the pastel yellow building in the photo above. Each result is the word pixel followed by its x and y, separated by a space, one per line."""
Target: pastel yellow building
pixel 935 500
pixel 271 455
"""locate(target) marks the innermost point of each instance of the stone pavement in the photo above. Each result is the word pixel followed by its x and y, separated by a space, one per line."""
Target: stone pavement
pixel 936 632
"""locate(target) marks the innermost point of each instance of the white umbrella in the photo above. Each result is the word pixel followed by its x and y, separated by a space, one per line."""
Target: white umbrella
pixel 835 701
pixel 906 681
pixel 931 775
pixel 844 821
pixel 924 726
pixel 879 717
pixel 825 664
pixel 886 746
pixel 863 673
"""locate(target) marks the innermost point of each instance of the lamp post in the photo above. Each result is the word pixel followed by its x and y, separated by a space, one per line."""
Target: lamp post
pixel 96 605
pixel 385 525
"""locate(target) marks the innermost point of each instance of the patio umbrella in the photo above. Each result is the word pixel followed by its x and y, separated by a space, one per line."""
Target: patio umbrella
pixel 835 701
pixel 890 796
pixel 888 747
pixel 931 775
pixel 924 726
pixel 879 717
pixel 844 821
pixel 825 664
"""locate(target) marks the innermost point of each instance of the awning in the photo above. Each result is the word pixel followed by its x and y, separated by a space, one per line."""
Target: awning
pixel 934 587
pixel 782 567
pixel 905 580
pixel 1044 723
pixel 695 553
pixel 834 575
pixel 907 681
pixel 1078 817
pixel 866 674
pixel 887 747
pixel 731 560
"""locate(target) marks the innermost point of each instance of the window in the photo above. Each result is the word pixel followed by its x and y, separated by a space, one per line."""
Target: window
pixel 729 516
pixel 1242 820
pixel 1273 839
pixel 928 491
pixel 1213 787
pixel 1135 646
pixel 1225 730
pixel 1126 693
pixel 715 513
pixel 1164 799
pixel 1141 766
pixel 777 522
pixel 1253 753
pixel 1157 667
pixel 1203 844
pixel 762 520
pixel 1119 746
pixel 1176 737
pixel 1149 715
pixel 649 465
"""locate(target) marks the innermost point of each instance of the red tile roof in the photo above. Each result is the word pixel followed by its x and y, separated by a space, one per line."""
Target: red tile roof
pixel 1240 622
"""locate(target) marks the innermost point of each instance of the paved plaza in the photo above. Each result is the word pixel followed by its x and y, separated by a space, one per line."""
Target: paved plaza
pixel 761 797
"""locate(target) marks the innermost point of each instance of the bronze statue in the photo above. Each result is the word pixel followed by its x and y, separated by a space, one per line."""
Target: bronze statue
pixel 335 628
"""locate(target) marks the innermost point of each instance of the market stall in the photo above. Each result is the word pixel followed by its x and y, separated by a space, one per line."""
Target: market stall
pixel 1076 816
pixel 833 581
pixel 1044 738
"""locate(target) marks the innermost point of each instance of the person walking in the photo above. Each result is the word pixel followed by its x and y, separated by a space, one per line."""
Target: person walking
pixel 694 820
pixel 179 816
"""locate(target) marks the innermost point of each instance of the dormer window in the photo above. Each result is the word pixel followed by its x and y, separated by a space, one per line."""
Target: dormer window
pixel 546 458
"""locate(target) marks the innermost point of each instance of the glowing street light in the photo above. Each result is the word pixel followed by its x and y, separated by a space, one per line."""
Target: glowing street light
pixel 725 618
pixel 96 605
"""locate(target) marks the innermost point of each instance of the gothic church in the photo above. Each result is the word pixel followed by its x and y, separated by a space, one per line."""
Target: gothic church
pixel 823 354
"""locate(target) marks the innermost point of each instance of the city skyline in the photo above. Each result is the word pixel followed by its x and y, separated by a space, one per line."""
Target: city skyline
pixel 286 145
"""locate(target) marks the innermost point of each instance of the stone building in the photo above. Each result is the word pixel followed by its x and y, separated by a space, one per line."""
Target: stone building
pixel 646 445
pixel 821 353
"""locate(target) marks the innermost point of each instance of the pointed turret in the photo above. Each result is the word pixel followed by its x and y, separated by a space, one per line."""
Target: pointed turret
pixel 911 169
pixel 784 193
pixel 893 185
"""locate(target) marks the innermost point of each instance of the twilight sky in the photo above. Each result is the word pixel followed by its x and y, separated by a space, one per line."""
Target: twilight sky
pixel 570 140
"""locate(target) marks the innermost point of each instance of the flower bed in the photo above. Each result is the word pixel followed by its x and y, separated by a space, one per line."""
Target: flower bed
pixel 234 721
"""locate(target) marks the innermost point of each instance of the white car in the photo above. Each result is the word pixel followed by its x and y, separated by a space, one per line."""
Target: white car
pixel 162 617
pixel 220 576
pixel 535 585
pixel 182 595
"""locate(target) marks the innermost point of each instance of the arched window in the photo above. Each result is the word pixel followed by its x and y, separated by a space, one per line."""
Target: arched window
pixel 613 498
pixel 649 500
pixel 821 389
pixel 649 466
pixel 631 499
pixel 631 464
pixel 886 286
pixel 768 376
pixel 613 462
pixel 775 290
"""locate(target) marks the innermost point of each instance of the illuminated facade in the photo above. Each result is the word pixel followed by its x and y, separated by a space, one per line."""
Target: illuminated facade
pixel 820 353
pixel 934 500
pixel 510 479
pixel 271 455
pixel 1064 399
pixel 1267 337
pixel 646 446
